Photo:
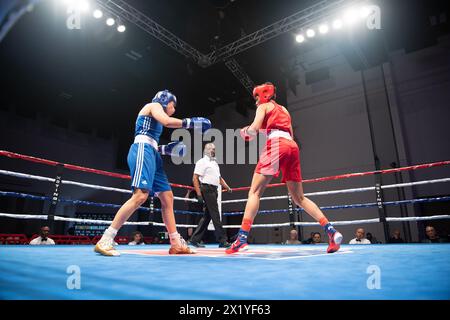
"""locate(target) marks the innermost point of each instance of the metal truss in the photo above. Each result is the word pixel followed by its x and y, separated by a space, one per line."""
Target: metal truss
pixel 302 19
pixel 123 10
pixel 240 74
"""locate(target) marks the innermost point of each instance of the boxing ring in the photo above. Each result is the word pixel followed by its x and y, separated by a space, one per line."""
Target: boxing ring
pixel 265 272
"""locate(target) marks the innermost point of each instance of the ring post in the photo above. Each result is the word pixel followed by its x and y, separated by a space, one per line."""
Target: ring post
pixel 55 196
pixel 381 209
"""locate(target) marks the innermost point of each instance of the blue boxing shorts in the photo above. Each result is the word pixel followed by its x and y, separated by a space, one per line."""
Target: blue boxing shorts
pixel 146 169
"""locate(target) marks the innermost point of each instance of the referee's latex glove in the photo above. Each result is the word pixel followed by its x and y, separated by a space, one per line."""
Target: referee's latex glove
pixel 176 148
pixel 200 200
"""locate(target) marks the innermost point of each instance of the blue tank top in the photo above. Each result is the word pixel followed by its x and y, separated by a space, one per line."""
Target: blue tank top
pixel 148 126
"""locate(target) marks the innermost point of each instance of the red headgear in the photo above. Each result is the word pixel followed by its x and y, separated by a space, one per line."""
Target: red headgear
pixel 265 92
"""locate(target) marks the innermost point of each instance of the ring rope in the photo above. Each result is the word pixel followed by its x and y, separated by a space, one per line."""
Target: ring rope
pixel 117 175
pixel 84 202
pixel 360 174
pixel 75 167
pixel 269 225
pixel 349 206
pixel 75 183
pixel 352 190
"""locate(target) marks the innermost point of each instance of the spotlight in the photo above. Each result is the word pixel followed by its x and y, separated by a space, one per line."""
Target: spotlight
pixel 310 33
pixel 300 38
pixel 350 16
pixel 323 28
pixel 121 28
pixel 110 21
pixel 97 14
pixel 337 24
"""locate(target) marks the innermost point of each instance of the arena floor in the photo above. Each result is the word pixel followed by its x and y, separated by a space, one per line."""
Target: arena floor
pixel 264 272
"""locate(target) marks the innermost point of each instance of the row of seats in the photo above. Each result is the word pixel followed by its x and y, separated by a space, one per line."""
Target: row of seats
pixel 63 239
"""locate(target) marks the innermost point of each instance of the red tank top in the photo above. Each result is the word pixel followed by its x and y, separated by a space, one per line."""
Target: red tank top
pixel 277 119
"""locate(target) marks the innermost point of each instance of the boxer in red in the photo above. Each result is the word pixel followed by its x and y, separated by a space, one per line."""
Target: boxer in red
pixel 280 153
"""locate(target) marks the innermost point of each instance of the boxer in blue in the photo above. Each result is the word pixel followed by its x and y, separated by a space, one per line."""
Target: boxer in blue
pixel 147 172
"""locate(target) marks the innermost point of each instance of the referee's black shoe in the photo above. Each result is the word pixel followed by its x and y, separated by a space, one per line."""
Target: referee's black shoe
pixel 196 244
pixel 224 244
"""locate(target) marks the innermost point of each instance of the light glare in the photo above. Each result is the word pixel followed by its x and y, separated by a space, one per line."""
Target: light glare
pixel 350 16
pixel 110 21
pixel 300 38
pixel 310 33
pixel 324 28
pixel 121 28
pixel 78 5
pixel 364 12
pixel 98 14
pixel 337 24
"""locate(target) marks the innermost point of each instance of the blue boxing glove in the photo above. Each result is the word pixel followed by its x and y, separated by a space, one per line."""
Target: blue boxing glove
pixel 177 149
pixel 197 123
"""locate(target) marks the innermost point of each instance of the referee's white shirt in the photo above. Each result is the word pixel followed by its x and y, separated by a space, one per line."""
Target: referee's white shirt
pixel 362 241
pixel 39 241
pixel 208 171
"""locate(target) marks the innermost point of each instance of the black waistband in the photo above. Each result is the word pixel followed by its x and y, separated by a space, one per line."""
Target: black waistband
pixel 208 185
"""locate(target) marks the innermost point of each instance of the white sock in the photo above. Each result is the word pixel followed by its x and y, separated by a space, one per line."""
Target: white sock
pixel 110 233
pixel 174 238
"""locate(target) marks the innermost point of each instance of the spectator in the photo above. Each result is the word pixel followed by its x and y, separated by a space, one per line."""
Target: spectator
pixel 43 238
pixel 138 239
pixel 293 237
pixel 359 237
pixel 309 241
pixel 396 238
pixel 316 238
pixel 432 236
pixel 371 238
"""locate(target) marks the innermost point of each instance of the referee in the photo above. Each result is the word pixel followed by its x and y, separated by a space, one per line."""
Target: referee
pixel 206 180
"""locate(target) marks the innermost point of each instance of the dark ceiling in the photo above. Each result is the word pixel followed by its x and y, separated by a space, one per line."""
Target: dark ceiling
pixel 86 76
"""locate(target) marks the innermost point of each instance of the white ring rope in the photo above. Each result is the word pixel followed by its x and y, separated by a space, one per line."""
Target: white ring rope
pixel 268 225
pixel 319 193
pixel 75 183
pixel 352 190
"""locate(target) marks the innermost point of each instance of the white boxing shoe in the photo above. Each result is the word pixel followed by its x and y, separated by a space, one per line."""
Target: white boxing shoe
pixel 106 247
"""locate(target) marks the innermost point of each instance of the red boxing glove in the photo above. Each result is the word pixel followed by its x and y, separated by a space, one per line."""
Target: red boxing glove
pixel 245 135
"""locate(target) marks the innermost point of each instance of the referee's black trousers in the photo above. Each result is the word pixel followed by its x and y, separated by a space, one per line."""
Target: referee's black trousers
pixel 209 194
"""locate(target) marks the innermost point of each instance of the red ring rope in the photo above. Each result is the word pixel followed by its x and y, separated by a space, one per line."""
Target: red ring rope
pixel 74 167
pixel 123 176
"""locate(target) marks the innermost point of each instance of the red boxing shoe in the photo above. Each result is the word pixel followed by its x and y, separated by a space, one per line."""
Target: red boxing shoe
pixel 239 245
pixel 335 240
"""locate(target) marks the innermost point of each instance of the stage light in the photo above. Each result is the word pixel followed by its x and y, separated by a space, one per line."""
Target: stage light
pixel 310 33
pixel 350 16
pixel 98 14
pixel 324 28
pixel 300 38
pixel 110 21
pixel 337 24
pixel 121 28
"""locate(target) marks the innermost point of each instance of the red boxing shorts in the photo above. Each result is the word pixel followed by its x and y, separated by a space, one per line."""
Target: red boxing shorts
pixel 280 154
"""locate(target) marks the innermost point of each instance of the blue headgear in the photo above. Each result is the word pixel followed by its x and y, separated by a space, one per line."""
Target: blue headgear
pixel 164 97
